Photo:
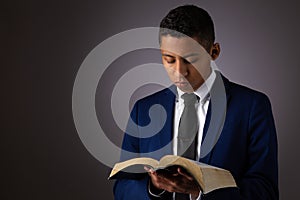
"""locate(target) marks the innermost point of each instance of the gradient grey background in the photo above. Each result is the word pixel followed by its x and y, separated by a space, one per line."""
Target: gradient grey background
pixel 45 43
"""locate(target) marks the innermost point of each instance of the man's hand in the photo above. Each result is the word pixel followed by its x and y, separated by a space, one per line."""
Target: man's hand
pixel 178 181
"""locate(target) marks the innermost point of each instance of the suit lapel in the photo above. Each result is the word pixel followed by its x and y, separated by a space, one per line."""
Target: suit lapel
pixel 215 118
pixel 166 134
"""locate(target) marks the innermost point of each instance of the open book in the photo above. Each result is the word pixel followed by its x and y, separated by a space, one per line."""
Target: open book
pixel 208 177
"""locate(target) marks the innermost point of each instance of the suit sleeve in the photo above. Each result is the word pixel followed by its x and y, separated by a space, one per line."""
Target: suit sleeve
pixel 128 189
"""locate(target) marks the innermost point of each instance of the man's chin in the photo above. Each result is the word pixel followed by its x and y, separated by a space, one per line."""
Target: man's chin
pixel 187 89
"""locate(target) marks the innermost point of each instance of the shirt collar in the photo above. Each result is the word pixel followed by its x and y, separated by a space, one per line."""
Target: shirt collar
pixel 203 91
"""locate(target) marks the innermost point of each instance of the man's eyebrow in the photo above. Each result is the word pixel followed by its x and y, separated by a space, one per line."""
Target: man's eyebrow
pixel 168 55
pixel 190 55
pixel 186 56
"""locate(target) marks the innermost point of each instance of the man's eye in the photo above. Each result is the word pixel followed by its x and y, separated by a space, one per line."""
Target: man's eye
pixel 170 61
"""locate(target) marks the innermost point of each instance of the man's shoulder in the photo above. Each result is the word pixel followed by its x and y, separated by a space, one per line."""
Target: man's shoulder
pixel 242 92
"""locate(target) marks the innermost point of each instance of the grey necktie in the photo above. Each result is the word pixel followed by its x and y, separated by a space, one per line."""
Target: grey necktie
pixel 188 127
pixel 187 132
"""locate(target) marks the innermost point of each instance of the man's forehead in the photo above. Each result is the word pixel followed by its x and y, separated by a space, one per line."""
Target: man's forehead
pixel 182 46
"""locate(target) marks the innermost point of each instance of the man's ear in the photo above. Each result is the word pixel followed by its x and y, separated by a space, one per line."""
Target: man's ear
pixel 215 51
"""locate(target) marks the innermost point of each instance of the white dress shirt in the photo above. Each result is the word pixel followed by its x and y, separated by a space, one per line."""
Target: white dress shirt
pixel 201 107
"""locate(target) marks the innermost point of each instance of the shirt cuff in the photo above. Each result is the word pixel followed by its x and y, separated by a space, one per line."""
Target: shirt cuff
pixel 198 198
pixel 152 193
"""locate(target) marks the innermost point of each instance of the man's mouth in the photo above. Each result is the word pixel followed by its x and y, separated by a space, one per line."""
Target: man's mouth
pixel 182 83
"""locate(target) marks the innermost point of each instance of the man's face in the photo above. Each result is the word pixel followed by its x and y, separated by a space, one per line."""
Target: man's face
pixel 186 62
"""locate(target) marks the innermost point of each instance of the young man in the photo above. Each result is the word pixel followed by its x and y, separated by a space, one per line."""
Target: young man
pixel 247 145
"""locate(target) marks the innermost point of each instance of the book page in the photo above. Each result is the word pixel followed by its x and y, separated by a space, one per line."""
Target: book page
pixel 208 177
pixel 129 165
pixel 216 178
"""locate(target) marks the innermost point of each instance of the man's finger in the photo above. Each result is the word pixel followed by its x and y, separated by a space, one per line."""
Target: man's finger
pixel 186 175
pixel 148 169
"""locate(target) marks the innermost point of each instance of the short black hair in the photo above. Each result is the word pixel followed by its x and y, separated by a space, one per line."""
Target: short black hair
pixel 191 21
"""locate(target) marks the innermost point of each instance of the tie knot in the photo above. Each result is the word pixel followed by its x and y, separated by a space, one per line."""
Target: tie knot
pixel 189 98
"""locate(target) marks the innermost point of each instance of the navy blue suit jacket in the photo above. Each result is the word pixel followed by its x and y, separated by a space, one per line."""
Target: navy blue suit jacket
pixel 247 146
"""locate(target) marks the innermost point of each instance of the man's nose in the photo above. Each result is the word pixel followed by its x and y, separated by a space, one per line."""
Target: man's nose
pixel 181 68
